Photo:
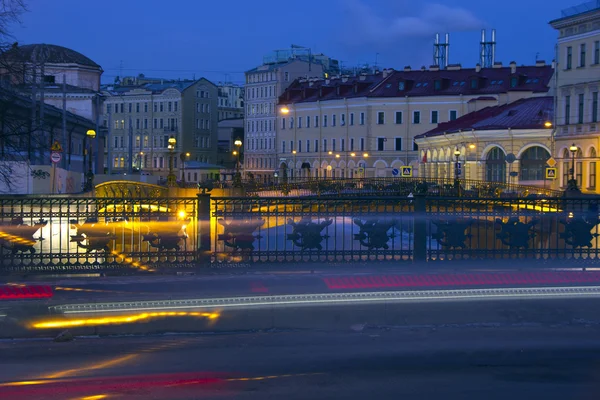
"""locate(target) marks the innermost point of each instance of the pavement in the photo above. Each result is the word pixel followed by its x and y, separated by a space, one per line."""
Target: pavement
pixel 465 361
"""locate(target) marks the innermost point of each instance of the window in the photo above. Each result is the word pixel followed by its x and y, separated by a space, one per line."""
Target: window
pixel 155 125
pixel 474 83
pixel 362 144
pixel 299 122
pixel 324 121
pixel 145 123
pixel 398 144
pixel 287 76
pixel 580 109
pixel 437 84
pixel 108 108
pixel 362 118
pixel 316 121
pixel 495 165
pixel 380 118
pixel 514 81
pixel 415 146
pixel 116 141
pixel 398 117
pixel 434 117
pixel 137 123
pixel 307 121
pixel 316 145
pixel 333 144
pixel 291 122
pixel 307 146
pixel 342 145
pixel 416 117
pixel 569 62
pixel 567 110
pixel 282 123
pixel 299 146
pixel 380 144
pixel 145 107
pixel 597 52
pixel 137 107
pixel 161 107
pixel 351 119
pixel 582 55
pixel 129 106
pixel 160 123
pixel 533 164
pixel 291 145
pixel 595 107
pixel 324 144
pixel 401 85
pixel 283 147
pixel 453 115
pixel 333 120
pixel 342 119
pixel 175 104
pixel 351 144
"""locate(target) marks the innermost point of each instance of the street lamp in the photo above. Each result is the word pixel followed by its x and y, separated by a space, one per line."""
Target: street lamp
pixel 238 143
pixel 171 178
pixel 91 134
pixel 284 110
pixel 573 149
pixel 140 162
pixel 183 156
pixel 456 171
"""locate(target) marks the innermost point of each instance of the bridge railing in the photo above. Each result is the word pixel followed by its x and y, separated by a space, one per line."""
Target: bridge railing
pixel 60 234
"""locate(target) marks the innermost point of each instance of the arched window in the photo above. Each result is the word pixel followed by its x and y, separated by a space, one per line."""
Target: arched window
pixel 593 156
pixel 533 164
pixel 495 165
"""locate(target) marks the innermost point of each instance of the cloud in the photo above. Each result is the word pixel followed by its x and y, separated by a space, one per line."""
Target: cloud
pixel 366 26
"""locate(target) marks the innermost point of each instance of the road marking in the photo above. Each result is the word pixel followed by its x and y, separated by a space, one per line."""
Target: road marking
pixel 326 298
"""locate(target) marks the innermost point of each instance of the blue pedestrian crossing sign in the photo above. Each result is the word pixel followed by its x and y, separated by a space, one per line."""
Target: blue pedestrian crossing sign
pixel 395 171
pixel 550 173
pixel 406 172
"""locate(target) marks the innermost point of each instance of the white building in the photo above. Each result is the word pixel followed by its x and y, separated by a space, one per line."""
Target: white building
pixel 231 100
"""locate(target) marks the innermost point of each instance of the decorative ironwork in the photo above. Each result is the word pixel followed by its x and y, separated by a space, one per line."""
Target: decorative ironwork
pixel 306 234
pixel 578 231
pixel 514 233
pixel 18 236
pixel 451 233
pixel 128 189
pixel 239 233
pixel 375 234
pixel 166 235
pixel 92 235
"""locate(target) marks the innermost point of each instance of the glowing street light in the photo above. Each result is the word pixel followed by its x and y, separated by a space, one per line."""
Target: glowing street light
pixel 284 110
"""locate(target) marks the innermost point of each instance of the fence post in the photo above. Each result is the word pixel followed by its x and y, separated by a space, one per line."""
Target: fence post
pixel 204 242
pixel 420 228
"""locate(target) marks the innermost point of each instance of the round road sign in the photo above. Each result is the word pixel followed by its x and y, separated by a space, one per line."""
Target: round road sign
pixel 55 157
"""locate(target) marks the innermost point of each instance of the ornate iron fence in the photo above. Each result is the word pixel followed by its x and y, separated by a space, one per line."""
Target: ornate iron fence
pixel 81 234
pixel 421 228
pixel 62 234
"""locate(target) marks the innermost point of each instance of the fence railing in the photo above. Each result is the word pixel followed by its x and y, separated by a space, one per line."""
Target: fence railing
pixel 396 187
pixel 61 234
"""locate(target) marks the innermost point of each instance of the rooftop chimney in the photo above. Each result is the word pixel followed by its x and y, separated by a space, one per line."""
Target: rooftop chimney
pixel 407 68
pixel 540 63
pixel 497 64
pixel 513 67
pixel 454 67
pixel 423 68
pixel 553 64
pixel 477 67
pixel 434 67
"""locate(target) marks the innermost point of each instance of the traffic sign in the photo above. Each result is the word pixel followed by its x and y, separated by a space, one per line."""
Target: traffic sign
pixel 395 172
pixel 56 147
pixel 406 172
pixel 510 158
pixel 550 173
pixel 551 162
pixel 55 157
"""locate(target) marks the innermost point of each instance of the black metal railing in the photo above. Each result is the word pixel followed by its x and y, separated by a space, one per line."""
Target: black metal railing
pixel 395 187
pixel 81 234
pixel 65 234
pixel 421 228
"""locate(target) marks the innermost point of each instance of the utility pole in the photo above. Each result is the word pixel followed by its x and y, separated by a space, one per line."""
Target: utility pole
pixel 130 162
pixel 64 124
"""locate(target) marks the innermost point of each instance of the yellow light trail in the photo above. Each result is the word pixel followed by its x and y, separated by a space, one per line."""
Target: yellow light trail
pixel 131 262
pixel 128 319
pixel 16 239
pixel 94 397
pixel 106 364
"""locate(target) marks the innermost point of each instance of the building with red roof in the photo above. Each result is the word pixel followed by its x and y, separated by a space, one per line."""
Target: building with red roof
pixel 365 125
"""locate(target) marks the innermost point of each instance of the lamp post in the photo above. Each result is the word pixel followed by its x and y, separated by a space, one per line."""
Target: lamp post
pixel 91 134
pixel 456 172
pixel 140 162
pixel 183 156
pixel 573 185
pixel 238 144
pixel 171 178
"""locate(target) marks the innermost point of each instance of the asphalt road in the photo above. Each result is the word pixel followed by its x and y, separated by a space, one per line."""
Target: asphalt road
pixel 435 362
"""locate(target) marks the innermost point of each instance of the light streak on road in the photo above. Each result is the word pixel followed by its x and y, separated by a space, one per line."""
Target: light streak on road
pixel 117 320
pixel 332 298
